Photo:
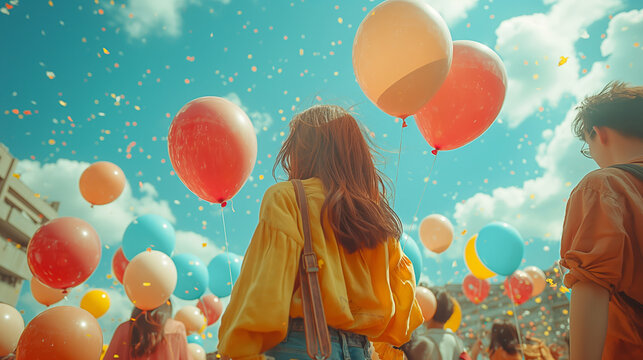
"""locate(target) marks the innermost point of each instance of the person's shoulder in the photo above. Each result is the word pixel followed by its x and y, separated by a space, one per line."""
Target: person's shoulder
pixel 174 327
pixel 279 190
pixel 124 326
pixel 607 181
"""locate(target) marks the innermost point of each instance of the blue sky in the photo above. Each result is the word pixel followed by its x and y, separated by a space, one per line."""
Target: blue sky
pixel 86 81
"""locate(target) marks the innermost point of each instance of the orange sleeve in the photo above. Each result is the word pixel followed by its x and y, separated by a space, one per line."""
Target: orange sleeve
pixel 593 239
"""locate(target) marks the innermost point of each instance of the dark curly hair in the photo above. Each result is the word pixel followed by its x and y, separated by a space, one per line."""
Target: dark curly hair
pixel 618 106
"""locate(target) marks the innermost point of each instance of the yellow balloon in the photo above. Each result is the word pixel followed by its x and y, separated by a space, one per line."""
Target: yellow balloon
pixel 454 321
pixel 474 264
pixel 96 302
pixel 102 354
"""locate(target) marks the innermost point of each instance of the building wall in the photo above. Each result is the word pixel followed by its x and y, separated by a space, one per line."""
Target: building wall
pixel 21 213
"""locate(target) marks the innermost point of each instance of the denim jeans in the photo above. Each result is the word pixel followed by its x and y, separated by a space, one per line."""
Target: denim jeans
pixel 345 345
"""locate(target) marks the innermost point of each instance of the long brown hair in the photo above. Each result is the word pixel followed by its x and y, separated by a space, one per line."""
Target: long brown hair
pixel 504 335
pixel 147 329
pixel 326 142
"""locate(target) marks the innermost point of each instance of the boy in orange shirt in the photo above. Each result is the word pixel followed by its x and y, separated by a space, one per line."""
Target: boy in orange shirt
pixel 602 239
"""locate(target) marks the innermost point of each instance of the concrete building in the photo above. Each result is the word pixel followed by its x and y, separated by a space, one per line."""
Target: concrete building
pixel 21 213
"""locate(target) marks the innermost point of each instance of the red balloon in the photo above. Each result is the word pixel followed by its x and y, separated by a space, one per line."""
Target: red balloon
pixel 519 287
pixel 476 290
pixel 211 307
pixel 469 99
pixel 213 147
pixel 119 263
pixel 61 332
pixel 64 252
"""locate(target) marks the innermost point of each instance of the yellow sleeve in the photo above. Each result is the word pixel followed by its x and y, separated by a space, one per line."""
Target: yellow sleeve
pixel 256 318
pixel 407 314
pixel 386 352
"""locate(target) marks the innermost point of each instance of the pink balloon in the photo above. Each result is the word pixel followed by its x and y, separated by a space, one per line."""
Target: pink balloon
pixel 196 352
pixel 476 290
pixel 192 318
pixel 518 287
pixel 64 252
pixel 538 278
pixel 426 300
pixel 436 233
pixel 44 294
pixel 469 99
pixel 150 279
pixel 211 307
pixel 11 326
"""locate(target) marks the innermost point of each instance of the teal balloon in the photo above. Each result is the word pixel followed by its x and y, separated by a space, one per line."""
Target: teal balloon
pixel 500 248
pixel 148 231
pixel 412 251
pixel 195 339
pixel 193 277
pixel 220 268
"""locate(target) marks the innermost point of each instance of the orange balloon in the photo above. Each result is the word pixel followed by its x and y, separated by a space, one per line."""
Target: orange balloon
pixel 192 318
pixel 401 55
pixel 11 326
pixel 101 183
pixel 150 279
pixel 436 233
pixel 44 294
pixel 426 300
pixel 538 278
pixel 196 352
pixel 62 332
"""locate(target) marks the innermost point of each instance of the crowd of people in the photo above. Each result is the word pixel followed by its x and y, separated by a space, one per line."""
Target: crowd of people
pixel 367 284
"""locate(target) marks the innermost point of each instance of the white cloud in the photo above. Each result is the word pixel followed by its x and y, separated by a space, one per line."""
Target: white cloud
pixel 59 182
pixel 192 243
pixel 559 154
pixel 531 47
pixel 260 120
pixel 453 11
pixel 141 17
pixel 623 61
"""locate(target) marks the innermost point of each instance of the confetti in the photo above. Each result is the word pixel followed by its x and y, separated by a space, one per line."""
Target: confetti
pixel 562 61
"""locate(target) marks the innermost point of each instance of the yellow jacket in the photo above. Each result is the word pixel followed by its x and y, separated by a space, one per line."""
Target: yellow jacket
pixel 369 292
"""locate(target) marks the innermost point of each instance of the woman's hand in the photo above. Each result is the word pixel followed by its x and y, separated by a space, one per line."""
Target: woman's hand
pixel 476 349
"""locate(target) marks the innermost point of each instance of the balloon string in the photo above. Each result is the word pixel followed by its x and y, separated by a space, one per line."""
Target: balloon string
pixel 399 156
pixel 513 304
pixel 425 186
pixel 225 236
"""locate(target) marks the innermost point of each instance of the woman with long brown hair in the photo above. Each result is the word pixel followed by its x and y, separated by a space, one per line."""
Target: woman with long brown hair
pixel 149 335
pixel 367 284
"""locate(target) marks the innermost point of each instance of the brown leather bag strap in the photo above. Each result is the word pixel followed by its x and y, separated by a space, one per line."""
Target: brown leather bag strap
pixel 317 337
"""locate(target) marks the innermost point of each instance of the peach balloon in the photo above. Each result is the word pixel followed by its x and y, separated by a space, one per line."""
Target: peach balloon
pixel 150 279
pixel 11 326
pixel 436 233
pixel 401 55
pixel 192 318
pixel 62 332
pixel 426 300
pixel 101 183
pixel 44 294
pixel 196 352
pixel 538 279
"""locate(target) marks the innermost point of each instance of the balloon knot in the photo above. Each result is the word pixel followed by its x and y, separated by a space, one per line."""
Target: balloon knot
pixel 404 124
pixel 434 152
pixel 65 291
pixel 223 204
